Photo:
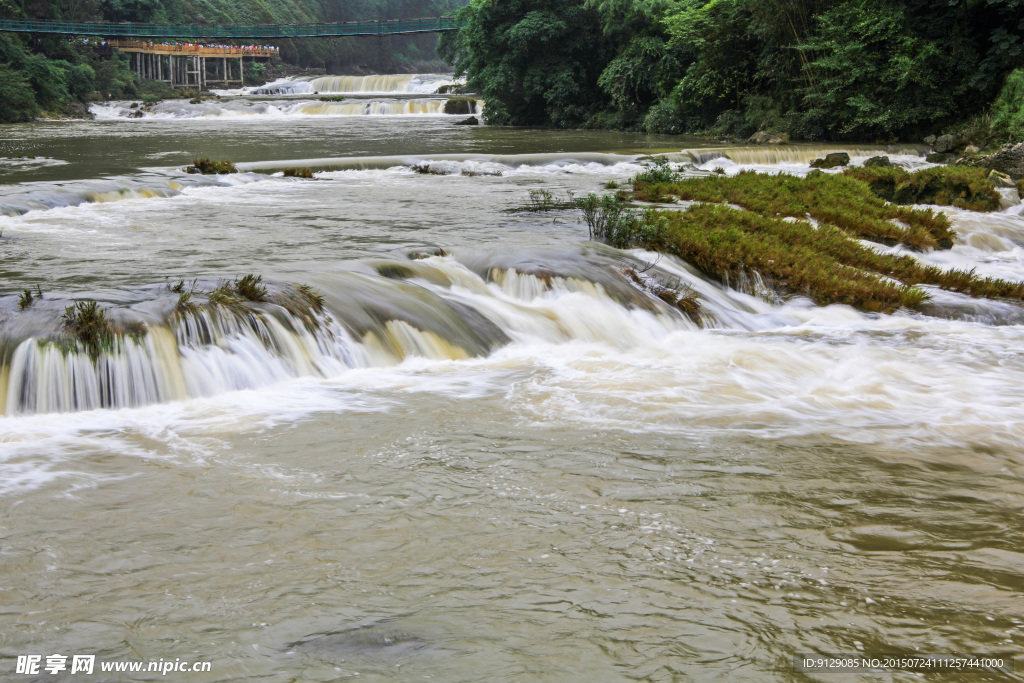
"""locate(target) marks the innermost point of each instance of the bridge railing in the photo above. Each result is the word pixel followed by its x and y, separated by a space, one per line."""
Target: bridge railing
pixel 191 48
pixel 354 28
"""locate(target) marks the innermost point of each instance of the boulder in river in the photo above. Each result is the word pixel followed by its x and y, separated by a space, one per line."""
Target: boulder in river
pixel 1009 160
pixel 471 121
pixel 832 160
pixel 930 140
pixel 763 137
pixel 945 143
pixel 1001 180
pixel 878 161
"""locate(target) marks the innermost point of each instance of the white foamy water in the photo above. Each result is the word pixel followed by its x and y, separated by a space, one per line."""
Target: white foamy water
pixel 215 109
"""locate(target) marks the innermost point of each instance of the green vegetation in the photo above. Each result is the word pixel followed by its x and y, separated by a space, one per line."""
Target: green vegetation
pixel 210 167
pixel 27 297
pixel 810 69
pixel 959 186
pixel 87 325
pixel 298 173
pixel 770 234
pixel 1007 119
pixel 427 169
pixel 251 288
pixel 843 200
pixel 460 105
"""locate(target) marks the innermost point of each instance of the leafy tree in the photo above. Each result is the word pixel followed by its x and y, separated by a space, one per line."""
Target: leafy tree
pixel 17 98
pixel 874 76
pixel 536 62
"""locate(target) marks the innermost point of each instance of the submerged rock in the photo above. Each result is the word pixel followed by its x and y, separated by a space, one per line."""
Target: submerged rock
pixel 832 160
pixel 882 161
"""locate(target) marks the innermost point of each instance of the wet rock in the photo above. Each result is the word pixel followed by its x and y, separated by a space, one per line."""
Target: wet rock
pixel 940 158
pixel 882 161
pixel 1001 180
pixel 930 140
pixel 1009 160
pixel 765 138
pixel 832 160
pixel 945 143
pixel 471 121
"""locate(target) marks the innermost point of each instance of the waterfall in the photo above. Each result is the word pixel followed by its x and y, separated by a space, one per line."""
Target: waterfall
pixel 444 310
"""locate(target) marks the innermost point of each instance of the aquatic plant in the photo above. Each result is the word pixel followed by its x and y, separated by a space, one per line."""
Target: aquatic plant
pixel 210 167
pixel 333 98
pixel 88 325
pixel 426 169
pixel 27 297
pixel 961 186
pixel 609 219
pixel 224 295
pixel 729 244
pixel 251 287
pixel 611 185
pixel 298 173
pixel 314 298
pixel 185 304
pixel 822 262
pixel 660 172
pixel 839 199
pixel 676 294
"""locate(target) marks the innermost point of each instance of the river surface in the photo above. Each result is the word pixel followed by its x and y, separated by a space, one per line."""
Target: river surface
pixel 489 457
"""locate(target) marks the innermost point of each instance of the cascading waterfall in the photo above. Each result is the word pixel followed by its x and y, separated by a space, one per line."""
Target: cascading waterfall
pixel 451 312
pixel 766 155
pixel 393 83
pixel 178 109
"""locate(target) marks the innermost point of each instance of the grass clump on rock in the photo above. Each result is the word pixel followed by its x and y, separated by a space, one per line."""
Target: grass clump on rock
pixel 765 224
pixel 960 186
pixel 88 325
pixel 298 173
pixel 210 167
pixel 460 105
pixel 839 199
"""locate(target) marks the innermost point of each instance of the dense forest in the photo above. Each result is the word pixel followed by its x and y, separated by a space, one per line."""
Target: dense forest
pixel 807 69
pixel 57 74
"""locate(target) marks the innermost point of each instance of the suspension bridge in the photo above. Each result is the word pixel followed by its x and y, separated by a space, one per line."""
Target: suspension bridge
pixel 194 32
pixel 189 65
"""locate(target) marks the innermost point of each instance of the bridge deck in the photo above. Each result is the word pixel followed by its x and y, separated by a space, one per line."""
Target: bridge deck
pixel 191 32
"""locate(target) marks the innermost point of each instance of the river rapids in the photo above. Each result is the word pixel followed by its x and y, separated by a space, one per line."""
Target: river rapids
pixel 455 439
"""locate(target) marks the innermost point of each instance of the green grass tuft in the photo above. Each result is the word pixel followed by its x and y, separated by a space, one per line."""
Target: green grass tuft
pixel 89 325
pixel 298 173
pixel 251 288
pixel 210 167
pixel 839 199
pixel 961 186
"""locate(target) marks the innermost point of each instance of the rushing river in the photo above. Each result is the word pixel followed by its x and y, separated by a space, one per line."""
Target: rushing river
pixel 489 457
